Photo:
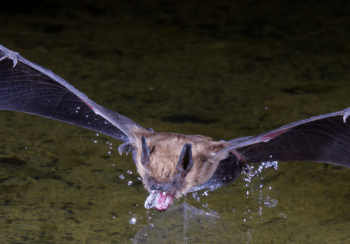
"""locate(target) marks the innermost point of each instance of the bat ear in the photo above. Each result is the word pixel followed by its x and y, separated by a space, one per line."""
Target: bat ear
pixel 145 152
pixel 185 162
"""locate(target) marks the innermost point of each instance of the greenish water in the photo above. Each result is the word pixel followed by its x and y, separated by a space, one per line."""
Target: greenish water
pixel 213 67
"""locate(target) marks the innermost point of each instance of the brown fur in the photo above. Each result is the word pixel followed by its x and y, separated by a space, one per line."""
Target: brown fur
pixel 165 150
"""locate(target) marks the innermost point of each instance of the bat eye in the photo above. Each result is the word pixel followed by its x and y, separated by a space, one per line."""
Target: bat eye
pixel 174 182
pixel 149 178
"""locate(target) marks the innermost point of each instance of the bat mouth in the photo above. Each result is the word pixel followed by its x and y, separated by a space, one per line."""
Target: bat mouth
pixel 159 200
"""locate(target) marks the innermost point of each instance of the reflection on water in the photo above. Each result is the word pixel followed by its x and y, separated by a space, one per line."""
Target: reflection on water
pixel 184 224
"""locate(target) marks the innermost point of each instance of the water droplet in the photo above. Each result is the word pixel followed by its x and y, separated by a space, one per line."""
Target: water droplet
pixel 129 183
pixel 109 153
pixel 97 134
pixel 129 172
pixel 132 220
pixel 77 111
pixel 121 176
pixel 78 108
pixel 95 141
pixel 87 116
pixel 139 178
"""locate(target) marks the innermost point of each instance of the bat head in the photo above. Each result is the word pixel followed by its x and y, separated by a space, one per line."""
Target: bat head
pixel 164 181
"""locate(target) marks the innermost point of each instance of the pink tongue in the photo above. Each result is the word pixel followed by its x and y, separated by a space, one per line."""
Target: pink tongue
pixel 163 201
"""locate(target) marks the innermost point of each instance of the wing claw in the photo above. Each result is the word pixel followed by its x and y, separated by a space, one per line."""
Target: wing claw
pixel 9 54
pixel 125 147
pixel 346 113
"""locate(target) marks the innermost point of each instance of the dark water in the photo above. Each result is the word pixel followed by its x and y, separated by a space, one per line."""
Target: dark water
pixel 223 69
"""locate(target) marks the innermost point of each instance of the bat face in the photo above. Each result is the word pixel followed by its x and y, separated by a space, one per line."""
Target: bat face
pixel 171 164
pixel 164 177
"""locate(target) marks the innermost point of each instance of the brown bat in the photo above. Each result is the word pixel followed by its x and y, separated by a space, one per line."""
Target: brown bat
pixel 171 164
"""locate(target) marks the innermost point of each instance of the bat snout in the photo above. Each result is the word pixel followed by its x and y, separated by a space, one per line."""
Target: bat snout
pixel 157 187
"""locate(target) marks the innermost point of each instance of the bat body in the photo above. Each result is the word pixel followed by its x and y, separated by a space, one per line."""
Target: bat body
pixel 171 164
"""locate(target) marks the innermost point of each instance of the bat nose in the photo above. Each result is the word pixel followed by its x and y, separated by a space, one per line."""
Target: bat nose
pixel 156 187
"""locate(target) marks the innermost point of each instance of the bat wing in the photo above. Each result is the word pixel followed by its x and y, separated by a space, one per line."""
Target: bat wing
pixel 324 138
pixel 30 88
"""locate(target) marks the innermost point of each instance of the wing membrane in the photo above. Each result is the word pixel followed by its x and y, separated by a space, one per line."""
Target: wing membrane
pixel 30 88
pixel 324 138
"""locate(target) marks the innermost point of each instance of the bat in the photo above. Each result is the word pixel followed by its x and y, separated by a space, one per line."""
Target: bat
pixel 171 164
